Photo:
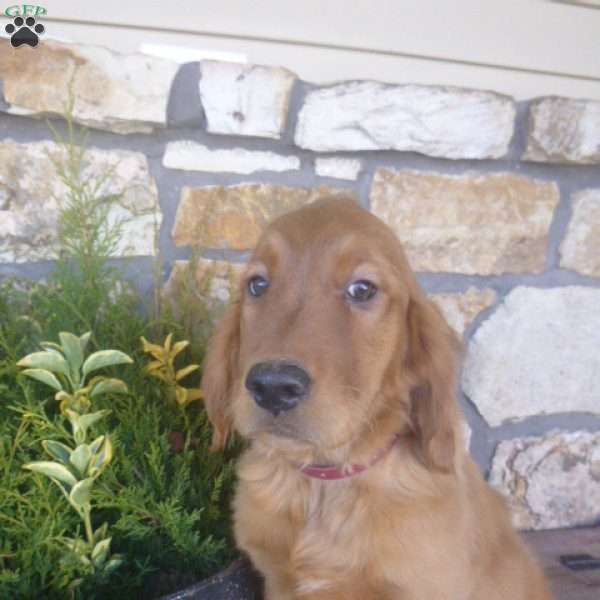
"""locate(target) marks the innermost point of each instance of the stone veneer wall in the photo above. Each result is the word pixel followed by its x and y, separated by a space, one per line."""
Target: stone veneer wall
pixel 497 203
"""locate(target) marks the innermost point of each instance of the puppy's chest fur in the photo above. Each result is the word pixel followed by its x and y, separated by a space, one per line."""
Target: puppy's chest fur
pixel 319 535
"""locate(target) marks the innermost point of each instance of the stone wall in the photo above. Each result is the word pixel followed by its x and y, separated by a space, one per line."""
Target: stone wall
pixel 497 203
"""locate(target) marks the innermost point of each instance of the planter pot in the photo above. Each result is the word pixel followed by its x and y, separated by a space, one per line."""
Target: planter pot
pixel 236 582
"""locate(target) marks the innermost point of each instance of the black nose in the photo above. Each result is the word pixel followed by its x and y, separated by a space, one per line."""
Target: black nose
pixel 277 386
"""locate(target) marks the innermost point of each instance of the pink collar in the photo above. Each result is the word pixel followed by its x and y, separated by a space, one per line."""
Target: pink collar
pixel 330 472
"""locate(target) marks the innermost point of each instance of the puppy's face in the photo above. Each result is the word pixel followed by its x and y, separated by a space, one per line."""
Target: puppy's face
pixel 323 345
pixel 323 308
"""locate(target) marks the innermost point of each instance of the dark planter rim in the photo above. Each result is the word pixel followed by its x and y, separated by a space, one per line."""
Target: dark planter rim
pixel 238 581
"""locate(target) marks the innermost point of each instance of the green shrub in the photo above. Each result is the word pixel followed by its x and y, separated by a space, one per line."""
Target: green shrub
pixel 164 498
pixel 76 466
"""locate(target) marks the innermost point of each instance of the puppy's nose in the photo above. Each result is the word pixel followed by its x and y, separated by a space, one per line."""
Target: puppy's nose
pixel 277 386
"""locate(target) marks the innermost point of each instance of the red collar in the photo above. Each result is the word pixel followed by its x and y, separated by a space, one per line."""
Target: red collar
pixel 329 472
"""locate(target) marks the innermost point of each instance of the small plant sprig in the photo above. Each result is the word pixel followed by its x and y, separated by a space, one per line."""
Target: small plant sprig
pixel 62 367
pixel 75 468
pixel 163 368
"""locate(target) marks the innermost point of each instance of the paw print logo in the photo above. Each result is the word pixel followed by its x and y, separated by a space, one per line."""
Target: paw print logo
pixel 24 31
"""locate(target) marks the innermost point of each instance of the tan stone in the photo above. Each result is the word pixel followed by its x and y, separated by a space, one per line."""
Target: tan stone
pixel 564 130
pixel 121 93
pixel 235 216
pixel 31 195
pixel 460 310
pixel 198 291
pixel 580 250
pixel 474 224
pixel 550 481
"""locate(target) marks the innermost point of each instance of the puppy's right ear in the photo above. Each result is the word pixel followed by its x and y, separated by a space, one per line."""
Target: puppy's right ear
pixel 219 373
pixel 431 360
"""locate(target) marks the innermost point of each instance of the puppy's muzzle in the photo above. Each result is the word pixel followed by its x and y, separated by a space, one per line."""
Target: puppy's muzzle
pixel 278 386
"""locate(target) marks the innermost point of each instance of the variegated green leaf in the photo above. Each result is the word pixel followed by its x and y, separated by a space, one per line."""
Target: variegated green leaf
pixel 44 376
pixel 86 563
pixel 57 450
pixel 102 457
pixel 50 361
pixel 104 358
pixel 73 352
pixel 86 421
pixel 100 532
pixel 80 459
pixel 75 583
pixel 62 395
pixel 81 423
pixel 53 470
pixel 109 386
pixel 80 494
pixel 100 552
pixel 76 545
pixel 95 445
pixel 66 400
pixel 75 420
pixel 82 392
pixel 84 339
pixel 51 346
pixel 114 563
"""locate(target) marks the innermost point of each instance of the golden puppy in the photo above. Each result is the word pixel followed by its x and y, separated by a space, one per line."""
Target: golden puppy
pixel 341 374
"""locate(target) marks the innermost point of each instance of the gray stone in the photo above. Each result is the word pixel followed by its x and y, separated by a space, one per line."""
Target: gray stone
pixel 338 168
pixel 437 121
pixel 538 353
pixel 564 130
pixel 550 481
pixel 245 99
pixel 467 434
pixel 190 156
pixel 580 250
pixel 124 93
pixel 33 193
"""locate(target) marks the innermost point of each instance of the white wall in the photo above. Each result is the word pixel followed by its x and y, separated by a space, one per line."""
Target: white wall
pixel 524 48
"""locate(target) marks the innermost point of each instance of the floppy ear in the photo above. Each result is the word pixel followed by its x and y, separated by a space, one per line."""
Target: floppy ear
pixel 431 362
pixel 220 365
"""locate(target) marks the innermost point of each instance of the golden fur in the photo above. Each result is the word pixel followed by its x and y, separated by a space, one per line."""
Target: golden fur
pixel 421 524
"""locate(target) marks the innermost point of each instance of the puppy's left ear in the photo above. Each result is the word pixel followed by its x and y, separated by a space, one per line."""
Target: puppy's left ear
pixel 220 369
pixel 432 363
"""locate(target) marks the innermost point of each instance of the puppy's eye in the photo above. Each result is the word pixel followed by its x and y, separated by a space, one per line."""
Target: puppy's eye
pixel 361 290
pixel 257 285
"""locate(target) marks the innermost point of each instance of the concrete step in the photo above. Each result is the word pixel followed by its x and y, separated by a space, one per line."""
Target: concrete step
pixel 568 584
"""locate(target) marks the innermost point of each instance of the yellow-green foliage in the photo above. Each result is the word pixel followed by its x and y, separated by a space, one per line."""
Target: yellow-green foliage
pixel 163 368
pixel 165 512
